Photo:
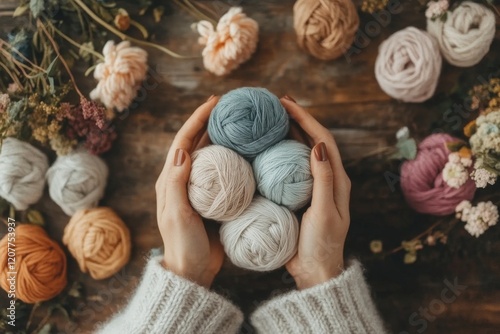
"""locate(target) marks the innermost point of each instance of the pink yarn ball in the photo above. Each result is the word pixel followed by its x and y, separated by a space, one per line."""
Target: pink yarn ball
pixel 422 180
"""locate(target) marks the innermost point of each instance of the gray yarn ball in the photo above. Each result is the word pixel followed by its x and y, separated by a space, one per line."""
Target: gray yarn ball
pixel 283 174
pixel 248 120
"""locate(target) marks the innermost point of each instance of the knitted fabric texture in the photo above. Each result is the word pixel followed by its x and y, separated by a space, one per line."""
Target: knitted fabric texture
pixel 466 34
pixel 77 181
pixel 99 241
pixel 167 303
pixel 422 179
pixel 408 65
pixel 248 121
pixel 325 28
pixel 40 265
pixel 263 238
pixel 221 184
pixel 338 306
pixel 283 174
pixel 22 173
pixel 120 75
pixel 229 45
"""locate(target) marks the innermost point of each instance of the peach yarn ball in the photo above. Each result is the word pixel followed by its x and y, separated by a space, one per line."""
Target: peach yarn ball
pixel 325 28
pixel 99 241
pixel 40 264
pixel 230 44
pixel 120 75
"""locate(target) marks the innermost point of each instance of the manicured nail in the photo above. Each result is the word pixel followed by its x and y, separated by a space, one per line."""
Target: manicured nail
pixel 320 152
pixel 179 157
pixel 211 97
pixel 289 98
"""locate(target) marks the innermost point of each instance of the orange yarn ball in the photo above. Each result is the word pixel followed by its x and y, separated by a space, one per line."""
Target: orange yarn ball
pixel 40 264
pixel 325 28
pixel 99 241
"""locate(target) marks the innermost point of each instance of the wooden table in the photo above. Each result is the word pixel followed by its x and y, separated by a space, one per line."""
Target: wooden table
pixel 346 98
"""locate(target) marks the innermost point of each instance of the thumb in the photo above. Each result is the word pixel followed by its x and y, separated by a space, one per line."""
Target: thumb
pixel 322 196
pixel 178 178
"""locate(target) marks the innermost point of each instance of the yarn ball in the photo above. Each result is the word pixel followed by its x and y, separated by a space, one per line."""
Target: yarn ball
pixel 466 34
pixel 120 75
pixel 40 265
pixel 99 241
pixel 283 174
pixel 325 28
pixel 221 184
pixel 248 120
pixel 230 44
pixel 408 65
pixel 422 179
pixel 22 173
pixel 263 238
pixel 77 181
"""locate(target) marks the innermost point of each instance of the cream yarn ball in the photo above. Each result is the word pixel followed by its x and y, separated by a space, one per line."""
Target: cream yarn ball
pixel 221 183
pixel 466 35
pixel 408 65
pixel 77 181
pixel 263 238
pixel 22 173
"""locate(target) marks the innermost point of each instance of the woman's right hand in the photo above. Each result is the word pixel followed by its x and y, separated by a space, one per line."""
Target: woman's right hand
pixel 324 226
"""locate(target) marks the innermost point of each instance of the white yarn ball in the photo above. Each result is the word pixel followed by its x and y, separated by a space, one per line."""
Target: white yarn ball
pixel 221 184
pixel 77 181
pixel 466 35
pixel 22 171
pixel 263 238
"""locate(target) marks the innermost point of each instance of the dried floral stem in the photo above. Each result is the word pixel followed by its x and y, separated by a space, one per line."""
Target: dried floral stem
pixel 191 9
pixel 35 66
pixel 56 50
pixel 76 44
pixel 32 315
pixel 427 231
pixel 12 76
pixel 122 35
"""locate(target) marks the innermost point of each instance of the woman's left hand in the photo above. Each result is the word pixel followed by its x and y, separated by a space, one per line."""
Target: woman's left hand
pixel 191 250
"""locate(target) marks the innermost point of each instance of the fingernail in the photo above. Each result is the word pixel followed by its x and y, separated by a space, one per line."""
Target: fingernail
pixel 211 97
pixel 320 152
pixel 179 157
pixel 289 98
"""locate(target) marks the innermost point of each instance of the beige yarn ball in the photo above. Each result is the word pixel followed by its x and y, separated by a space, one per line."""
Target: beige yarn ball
pixel 408 65
pixel 263 238
pixel 466 35
pixel 221 183
pixel 325 28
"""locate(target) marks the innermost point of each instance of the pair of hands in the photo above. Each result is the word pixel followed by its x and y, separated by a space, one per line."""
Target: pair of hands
pixel 194 251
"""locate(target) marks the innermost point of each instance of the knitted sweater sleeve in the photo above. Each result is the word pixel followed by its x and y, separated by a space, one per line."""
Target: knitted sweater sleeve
pixel 167 303
pixel 341 305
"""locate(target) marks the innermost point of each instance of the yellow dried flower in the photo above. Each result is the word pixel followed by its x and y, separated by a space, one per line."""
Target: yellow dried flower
pixel 122 20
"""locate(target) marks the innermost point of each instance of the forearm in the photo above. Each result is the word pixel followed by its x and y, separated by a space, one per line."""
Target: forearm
pixel 167 303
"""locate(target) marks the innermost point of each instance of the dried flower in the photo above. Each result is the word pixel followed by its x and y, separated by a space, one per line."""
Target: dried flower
pixel 4 102
pixel 376 246
pixel 436 9
pixel 431 240
pixel 62 145
pixel 480 218
pixel 455 174
pixel 93 111
pixel 483 177
pixel 13 88
pixel 120 75
pixel 371 6
pixel 122 20
pixel 403 133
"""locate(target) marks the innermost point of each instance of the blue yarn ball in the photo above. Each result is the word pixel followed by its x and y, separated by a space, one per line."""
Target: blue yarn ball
pixel 248 120
pixel 283 174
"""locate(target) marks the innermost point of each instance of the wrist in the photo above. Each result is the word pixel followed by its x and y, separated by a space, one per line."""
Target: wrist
pixel 204 278
pixel 321 274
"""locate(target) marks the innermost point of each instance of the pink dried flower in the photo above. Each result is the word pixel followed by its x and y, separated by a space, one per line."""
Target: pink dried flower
pixel 436 9
pixel 94 111
pixel 4 102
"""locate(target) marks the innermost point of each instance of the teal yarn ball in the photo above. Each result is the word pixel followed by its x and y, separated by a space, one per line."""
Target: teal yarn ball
pixel 248 121
pixel 283 174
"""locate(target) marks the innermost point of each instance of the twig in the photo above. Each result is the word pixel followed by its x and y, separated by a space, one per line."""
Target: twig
pixel 13 77
pixel 433 226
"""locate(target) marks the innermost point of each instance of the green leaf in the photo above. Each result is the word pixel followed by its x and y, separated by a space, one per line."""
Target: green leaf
pixel 16 109
pixel 35 217
pixel 20 10
pixel 455 146
pixel 37 7
pixel 406 149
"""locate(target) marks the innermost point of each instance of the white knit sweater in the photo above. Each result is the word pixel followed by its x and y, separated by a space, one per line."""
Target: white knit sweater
pixel 167 303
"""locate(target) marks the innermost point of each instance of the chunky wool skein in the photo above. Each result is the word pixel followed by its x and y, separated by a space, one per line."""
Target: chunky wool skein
pixel 283 174
pixel 221 183
pixel 325 28
pixel 248 120
pixel 40 265
pixel 422 179
pixel 99 241
pixel 77 181
pixel 263 238
pixel 229 45
pixel 408 65
pixel 22 173
pixel 466 34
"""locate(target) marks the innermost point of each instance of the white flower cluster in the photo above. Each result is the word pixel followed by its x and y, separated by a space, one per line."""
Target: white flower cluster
pixel 436 9
pixel 477 218
pixel 455 172
pixel 482 177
